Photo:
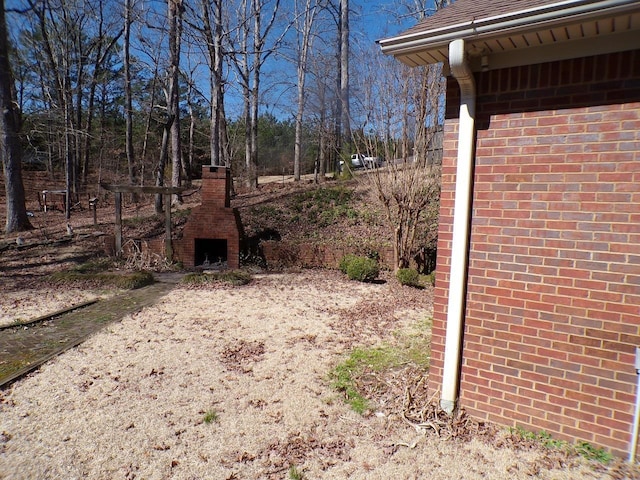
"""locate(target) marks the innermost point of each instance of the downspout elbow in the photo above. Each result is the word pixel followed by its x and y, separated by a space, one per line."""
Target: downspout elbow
pixel 461 225
pixel 462 73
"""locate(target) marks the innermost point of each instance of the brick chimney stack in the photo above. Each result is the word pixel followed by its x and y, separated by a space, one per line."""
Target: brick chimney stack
pixel 216 185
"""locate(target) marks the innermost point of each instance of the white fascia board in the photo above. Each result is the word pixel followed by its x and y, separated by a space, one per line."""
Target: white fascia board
pixel 524 20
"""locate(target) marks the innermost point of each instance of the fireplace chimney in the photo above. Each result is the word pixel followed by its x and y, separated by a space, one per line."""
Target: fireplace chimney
pixel 211 236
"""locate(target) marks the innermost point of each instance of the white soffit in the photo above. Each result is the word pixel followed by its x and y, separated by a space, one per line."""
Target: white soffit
pixel 518 39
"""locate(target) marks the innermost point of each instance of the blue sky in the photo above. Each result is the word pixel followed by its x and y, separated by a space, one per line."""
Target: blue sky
pixel 383 18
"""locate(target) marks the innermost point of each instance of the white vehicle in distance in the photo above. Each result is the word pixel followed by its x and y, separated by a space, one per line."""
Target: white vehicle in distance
pixel 359 160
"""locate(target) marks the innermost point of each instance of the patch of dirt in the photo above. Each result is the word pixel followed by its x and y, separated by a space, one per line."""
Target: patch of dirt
pixel 239 356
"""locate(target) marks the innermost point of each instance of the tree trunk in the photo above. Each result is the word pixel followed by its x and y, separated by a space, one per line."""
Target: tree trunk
pixel 322 154
pixel 11 150
pixel 188 164
pixel 250 75
pixel 344 69
pixel 213 38
pixel 69 161
pixel 306 42
pixel 253 145
pixel 258 42
pixel 162 164
pixel 147 127
pixel 225 148
pixel 128 106
pixel 175 31
pixel 252 181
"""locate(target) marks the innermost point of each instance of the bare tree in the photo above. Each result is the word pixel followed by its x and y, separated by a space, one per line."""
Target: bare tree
pixel 176 10
pixel 249 53
pixel 10 148
pixel 101 49
pixel 406 133
pixel 191 95
pixel 345 112
pixel 304 28
pixel 171 123
pixel 213 35
pixel 154 55
pixel 128 104
pixel 162 162
pixel 405 129
pixel 74 41
pixel 340 111
pixel 240 54
pixel 57 50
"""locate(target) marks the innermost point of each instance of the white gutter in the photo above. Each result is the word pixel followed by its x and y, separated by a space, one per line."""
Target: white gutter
pixel 461 225
pixel 533 18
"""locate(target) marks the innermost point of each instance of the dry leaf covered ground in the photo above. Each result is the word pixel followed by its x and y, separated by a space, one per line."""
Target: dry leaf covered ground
pixel 231 383
pixel 222 382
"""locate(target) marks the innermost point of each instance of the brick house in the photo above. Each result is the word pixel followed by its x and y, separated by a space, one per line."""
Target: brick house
pixel 537 301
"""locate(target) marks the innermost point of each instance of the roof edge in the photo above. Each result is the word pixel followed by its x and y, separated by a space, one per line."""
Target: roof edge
pixel 560 12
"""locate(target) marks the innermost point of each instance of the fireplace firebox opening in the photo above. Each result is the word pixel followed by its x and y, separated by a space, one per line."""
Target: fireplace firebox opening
pixel 210 252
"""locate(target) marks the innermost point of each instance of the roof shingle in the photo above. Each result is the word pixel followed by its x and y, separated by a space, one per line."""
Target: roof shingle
pixel 462 11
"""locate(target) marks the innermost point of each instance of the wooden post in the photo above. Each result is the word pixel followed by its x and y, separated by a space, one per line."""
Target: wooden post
pixel 167 192
pixel 118 223
pixel 93 204
pixel 168 249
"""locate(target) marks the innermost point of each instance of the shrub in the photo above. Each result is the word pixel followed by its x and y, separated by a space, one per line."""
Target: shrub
pixel 346 260
pixel 363 269
pixel 409 277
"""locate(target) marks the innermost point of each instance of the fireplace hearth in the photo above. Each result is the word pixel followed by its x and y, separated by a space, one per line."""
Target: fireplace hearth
pixel 210 252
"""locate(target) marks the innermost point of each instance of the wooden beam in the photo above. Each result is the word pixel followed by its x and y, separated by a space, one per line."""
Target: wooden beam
pixel 143 189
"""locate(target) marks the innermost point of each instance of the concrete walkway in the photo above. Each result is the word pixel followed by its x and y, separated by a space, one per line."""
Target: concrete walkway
pixel 24 348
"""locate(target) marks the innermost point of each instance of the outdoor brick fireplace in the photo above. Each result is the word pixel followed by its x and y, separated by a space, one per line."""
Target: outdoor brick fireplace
pixel 211 236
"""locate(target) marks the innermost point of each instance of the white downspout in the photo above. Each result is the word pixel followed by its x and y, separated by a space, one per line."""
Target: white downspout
pixel 636 415
pixel 461 225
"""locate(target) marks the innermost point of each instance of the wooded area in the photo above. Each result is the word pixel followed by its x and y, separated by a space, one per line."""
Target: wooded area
pixel 144 92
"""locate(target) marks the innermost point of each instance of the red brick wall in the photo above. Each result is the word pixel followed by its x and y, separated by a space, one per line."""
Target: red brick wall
pixel 553 300
pixel 280 254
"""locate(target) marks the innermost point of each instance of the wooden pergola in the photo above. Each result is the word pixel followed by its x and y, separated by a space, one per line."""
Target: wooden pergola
pixel 118 190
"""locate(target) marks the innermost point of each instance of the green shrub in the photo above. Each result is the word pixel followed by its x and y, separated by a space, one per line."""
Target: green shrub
pixel 363 269
pixel 346 261
pixel 409 277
